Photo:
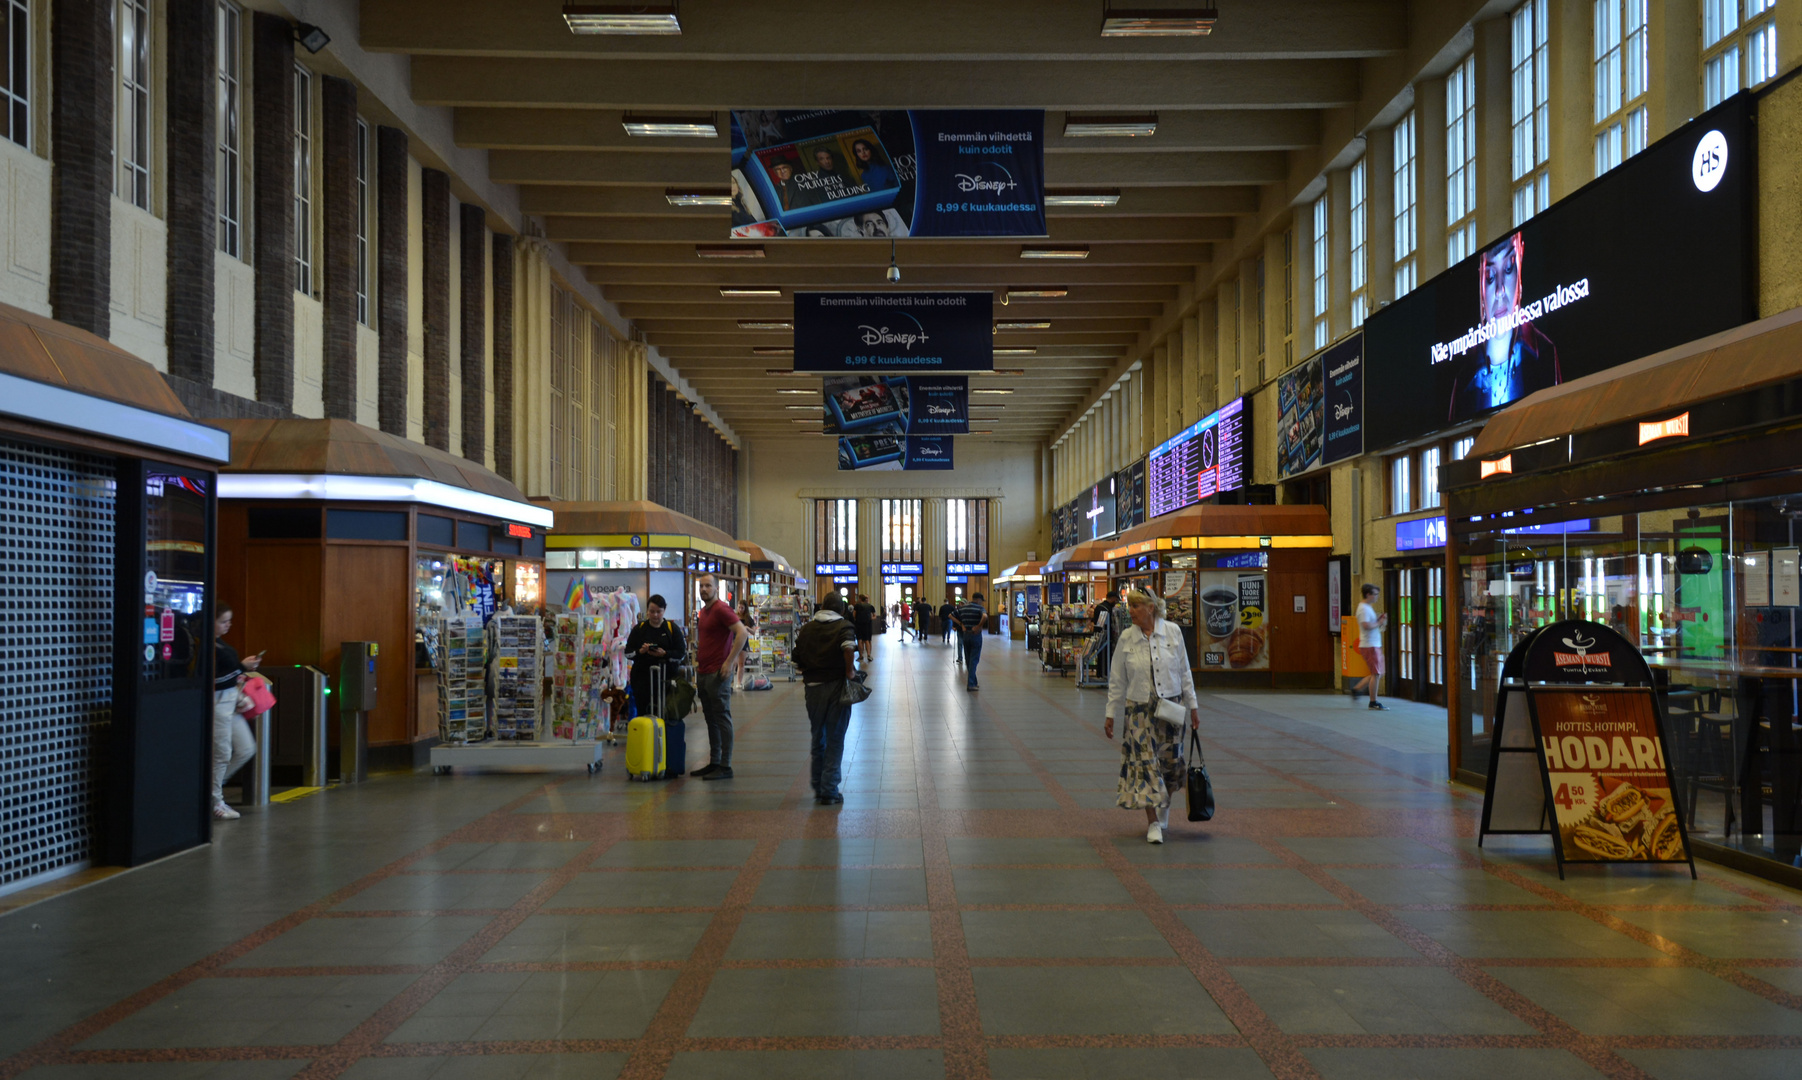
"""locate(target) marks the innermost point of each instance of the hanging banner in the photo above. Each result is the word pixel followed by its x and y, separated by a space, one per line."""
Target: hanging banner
pixel 1342 400
pixel 913 453
pixel 854 333
pixel 890 173
pixel 897 405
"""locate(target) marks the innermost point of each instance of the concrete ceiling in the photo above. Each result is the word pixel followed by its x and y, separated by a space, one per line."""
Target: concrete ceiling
pixel 1239 111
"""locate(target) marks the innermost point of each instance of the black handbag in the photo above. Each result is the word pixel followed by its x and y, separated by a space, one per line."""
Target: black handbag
pixel 1201 789
pixel 855 691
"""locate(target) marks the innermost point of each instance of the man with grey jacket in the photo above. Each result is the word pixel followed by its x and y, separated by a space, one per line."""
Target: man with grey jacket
pixel 825 652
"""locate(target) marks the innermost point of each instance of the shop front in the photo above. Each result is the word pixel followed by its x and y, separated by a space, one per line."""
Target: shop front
pixel 1075 581
pixel 770 573
pixel 1018 596
pixel 332 532
pixel 1246 584
pixel 1662 499
pixel 644 548
pixel 108 499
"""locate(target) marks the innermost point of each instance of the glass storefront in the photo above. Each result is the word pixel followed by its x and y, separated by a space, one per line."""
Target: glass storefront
pixel 1710 594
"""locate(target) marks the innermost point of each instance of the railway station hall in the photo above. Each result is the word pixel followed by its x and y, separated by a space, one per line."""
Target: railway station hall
pixel 897 540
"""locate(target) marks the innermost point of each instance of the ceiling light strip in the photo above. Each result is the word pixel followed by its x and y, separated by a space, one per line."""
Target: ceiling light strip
pixel 400 489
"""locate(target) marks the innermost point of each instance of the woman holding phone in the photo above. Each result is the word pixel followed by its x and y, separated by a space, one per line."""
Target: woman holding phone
pixel 233 744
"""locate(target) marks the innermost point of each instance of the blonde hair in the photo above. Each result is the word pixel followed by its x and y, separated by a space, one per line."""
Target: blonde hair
pixel 1135 598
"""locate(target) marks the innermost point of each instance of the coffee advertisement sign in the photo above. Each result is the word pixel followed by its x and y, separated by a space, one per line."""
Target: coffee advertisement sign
pixel 1233 632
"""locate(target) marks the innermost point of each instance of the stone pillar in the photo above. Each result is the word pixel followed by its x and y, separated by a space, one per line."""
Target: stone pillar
pixel 472 271
pixel 869 549
pixel 81 147
pixel 1226 334
pixel 1675 92
pixel 1379 216
pixel 391 207
pixel 1429 177
pixel 338 255
pixel 1338 247
pixel 932 549
pixel 503 356
pixel 1279 358
pixel 191 209
pixel 995 548
pixel 434 228
pixel 272 116
pixel 807 554
pixel 1570 50
pixel 532 406
pixel 1495 163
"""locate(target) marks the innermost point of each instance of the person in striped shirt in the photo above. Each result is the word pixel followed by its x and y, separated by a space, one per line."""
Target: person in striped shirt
pixel 970 618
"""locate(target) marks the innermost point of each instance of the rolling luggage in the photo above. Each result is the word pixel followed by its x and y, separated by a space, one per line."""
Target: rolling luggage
pixel 645 748
pixel 675 729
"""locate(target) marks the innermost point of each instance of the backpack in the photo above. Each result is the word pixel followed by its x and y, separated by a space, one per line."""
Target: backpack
pixel 680 701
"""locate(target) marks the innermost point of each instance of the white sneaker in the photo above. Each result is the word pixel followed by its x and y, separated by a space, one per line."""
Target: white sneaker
pixel 1154 834
pixel 224 812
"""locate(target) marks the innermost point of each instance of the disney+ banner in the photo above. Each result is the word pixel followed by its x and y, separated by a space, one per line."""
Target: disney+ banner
pixel 897 404
pixel 894 453
pixel 889 173
pixel 852 333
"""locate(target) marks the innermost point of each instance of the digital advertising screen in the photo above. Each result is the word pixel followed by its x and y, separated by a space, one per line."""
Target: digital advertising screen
pixel 1129 496
pixel 1095 512
pixel 896 404
pixel 858 332
pixel 1202 460
pixel 1656 252
pixel 862 174
pixel 1300 418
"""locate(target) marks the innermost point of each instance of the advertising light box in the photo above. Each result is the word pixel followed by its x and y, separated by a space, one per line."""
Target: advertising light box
pixel 897 404
pixel 1655 253
pixel 894 453
pixel 854 333
pixel 1095 511
pixel 1202 460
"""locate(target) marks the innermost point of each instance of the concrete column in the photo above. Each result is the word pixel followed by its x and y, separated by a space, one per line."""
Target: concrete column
pixel 1304 280
pixel 1251 364
pixel 434 200
pixel 338 253
pixel 504 434
pixel 1338 215
pixel 1193 409
pixel 869 549
pixel 932 549
pixel 532 407
pixel 806 555
pixel 192 213
pixel 1495 140
pixel 1170 372
pixel 1379 202
pixel 272 123
pixel 1676 62
pixel 391 211
pixel 1571 48
pixel 81 147
pixel 998 557
pixel 1226 341
pixel 472 274
pixel 1429 176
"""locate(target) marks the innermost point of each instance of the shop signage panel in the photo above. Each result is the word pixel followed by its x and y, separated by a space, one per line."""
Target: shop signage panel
pixel 859 174
pixel 1551 528
pixel 828 569
pixel 1203 460
pixel 897 405
pixel 1420 535
pixel 864 332
pixel 978 568
pixel 894 453
pixel 1246 560
pixel 1578 289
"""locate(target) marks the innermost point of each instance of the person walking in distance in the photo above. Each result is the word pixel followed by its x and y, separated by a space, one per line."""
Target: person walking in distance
pixel 720 649
pixel 970 618
pixel 1370 647
pixel 825 652
pixel 922 620
pixel 233 744
pixel 1150 669
pixel 863 616
pixel 946 611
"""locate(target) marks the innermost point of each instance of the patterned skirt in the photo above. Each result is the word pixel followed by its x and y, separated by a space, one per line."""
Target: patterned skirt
pixel 1151 766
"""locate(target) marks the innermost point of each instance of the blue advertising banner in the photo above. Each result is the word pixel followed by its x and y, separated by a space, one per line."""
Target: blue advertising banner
pixel 894 452
pixel 897 405
pixel 1342 368
pixel 865 173
pixel 855 333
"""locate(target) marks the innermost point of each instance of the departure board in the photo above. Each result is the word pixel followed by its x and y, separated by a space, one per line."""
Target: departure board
pixel 1202 460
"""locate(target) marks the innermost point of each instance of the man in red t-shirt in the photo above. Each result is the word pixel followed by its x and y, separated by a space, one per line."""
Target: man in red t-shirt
pixel 720 643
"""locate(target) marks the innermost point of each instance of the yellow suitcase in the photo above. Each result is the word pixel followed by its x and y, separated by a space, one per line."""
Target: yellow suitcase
pixel 645 748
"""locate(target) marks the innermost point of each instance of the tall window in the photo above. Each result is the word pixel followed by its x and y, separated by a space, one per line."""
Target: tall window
pixel 967 530
pixel 303 180
pixel 1320 272
pixel 1429 478
pixel 132 21
pixel 15 71
pixel 1461 162
pixel 1461 447
pixel 1360 254
pixel 1288 297
pixel 228 183
pixel 1401 484
pixel 1733 46
pixel 1622 60
pixel 1530 60
pixel 1406 195
pixel 901 530
pixel 363 261
pixel 835 530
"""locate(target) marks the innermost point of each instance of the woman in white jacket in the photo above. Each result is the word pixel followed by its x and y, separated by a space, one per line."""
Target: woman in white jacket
pixel 1150 662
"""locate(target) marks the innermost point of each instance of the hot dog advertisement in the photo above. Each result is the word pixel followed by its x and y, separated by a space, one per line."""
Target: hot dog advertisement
pixel 1606 769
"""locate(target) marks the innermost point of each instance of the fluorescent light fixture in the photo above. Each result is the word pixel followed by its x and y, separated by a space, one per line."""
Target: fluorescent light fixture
pixel 1162 22
pixel 671 127
pixel 1064 251
pixel 1029 350
pixel 993 390
pixel 1022 326
pixel 786 371
pixel 729 251
pixel 43 403
pixel 773 350
pixel 1008 370
pixel 1111 125
pixel 748 290
pixel 622 18
pixel 796 390
pixel 400 489
pixel 1082 198
pixel 1051 292
pixel 980 405
pixel 984 431
pixel 698 196
pixel 812 408
pixel 765 324
pixel 798 420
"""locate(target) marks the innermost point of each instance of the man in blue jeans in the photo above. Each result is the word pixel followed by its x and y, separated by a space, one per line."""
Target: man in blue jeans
pixel 971 617
pixel 825 652
pixel 722 640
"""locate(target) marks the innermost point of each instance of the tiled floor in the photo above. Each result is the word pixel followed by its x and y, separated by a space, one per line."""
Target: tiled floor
pixel 976 908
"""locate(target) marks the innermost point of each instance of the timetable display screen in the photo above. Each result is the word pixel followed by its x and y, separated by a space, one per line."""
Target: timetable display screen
pixel 1202 460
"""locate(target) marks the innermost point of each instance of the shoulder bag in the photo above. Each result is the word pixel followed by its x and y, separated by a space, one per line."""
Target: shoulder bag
pixel 1170 712
pixel 855 692
pixel 1201 789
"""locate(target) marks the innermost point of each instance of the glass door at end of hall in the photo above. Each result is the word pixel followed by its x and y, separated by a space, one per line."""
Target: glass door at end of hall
pixel 1414 643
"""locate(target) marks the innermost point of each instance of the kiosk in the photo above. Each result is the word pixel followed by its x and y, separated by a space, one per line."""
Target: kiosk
pixel 644 547
pixel 770 573
pixel 1247 585
pixel 1018 594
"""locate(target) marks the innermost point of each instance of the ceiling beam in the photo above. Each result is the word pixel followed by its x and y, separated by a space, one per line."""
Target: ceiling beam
pixel 649 201
pixel 725 312
pixel 715 228
pixel 783 254
pixel 708 292
pixel 973 278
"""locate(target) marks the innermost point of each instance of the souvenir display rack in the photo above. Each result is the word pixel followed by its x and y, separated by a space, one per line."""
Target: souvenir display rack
pixel 462 696
pixel 778 620
pixel 517 682
pixel 1064 648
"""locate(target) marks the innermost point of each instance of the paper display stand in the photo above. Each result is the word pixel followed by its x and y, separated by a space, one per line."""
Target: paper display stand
pixel 772 646
pixel 462 696
pixel 519 715
pixel 1578 751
